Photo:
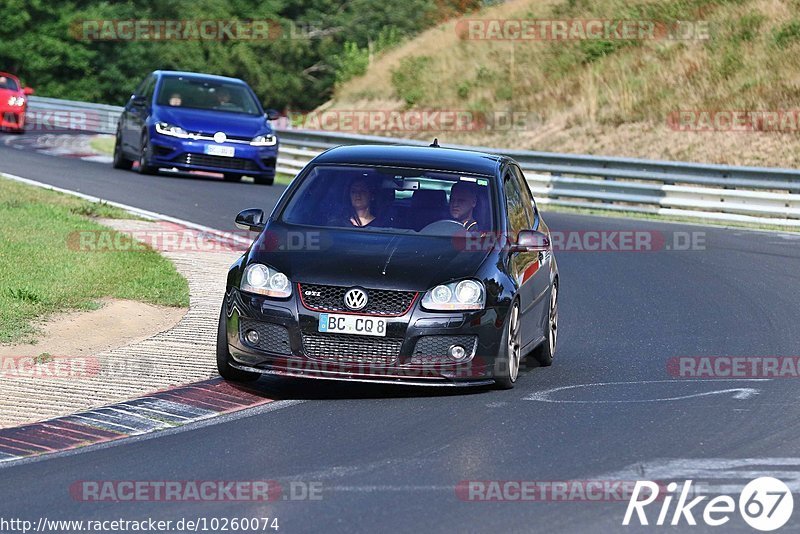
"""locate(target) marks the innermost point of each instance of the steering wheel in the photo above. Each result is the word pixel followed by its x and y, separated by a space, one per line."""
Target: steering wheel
pixel 445 226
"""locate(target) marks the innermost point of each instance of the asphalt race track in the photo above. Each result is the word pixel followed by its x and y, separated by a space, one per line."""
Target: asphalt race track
pixel 390 458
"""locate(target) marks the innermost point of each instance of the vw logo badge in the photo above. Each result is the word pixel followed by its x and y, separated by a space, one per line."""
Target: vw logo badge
pixel 355 299
pixel 220 137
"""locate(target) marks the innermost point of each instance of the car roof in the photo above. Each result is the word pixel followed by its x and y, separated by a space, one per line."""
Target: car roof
pixel 437 158
pixel 198 75
pixel 9 75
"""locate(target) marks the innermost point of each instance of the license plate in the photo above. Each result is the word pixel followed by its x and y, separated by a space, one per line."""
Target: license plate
pixel 216 150
pixel 352 324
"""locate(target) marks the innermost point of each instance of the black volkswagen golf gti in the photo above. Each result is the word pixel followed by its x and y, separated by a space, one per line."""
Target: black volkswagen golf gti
pixel 394 264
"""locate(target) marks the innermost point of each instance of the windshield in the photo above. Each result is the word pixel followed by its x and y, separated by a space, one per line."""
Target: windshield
pixel 398 200
pixel 207 94
pixel 8 83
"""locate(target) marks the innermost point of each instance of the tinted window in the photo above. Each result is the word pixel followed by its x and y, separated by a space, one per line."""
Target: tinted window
pixel 207 94
pixel 527 197
pixel 395 199
pixel 140 89
pixel 517 215
pixel 149 89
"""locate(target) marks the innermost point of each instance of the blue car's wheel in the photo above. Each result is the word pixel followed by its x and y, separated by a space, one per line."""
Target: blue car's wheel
pixel 144 157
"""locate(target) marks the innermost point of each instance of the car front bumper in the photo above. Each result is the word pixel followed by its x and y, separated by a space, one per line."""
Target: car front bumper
pixel 12 117
pixel 291 328
pixel 190 155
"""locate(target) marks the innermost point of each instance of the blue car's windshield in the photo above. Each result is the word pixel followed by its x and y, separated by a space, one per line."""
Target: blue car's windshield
pixel 388 199
pixel 207 94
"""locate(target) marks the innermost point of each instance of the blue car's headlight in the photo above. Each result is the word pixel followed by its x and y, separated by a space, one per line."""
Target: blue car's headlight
pixel 264 140
pixel 463 295
pixel 173 131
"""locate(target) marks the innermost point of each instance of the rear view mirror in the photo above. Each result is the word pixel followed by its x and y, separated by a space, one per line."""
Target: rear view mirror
pixel 27 91
pixel 251 219
pixel 531 241
pixel 273 114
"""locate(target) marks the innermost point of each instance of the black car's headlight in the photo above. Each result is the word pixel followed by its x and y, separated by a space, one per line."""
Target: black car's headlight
pixel 463 295
pixel 258 278
pixel 264 140
pixel 171 130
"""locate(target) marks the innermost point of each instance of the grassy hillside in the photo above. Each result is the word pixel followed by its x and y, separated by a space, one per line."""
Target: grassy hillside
pixel 604 96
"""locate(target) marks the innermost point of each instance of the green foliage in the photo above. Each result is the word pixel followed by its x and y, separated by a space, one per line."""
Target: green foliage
pixel 787 34
pixel 406 78
pixel 315 44
pixel 354 59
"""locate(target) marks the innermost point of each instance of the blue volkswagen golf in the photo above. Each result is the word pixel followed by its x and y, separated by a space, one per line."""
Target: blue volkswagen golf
pixel 197 122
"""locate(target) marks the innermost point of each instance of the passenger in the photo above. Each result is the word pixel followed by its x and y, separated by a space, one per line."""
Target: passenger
pixel 223 97
pixel 463 200
pixel 360 212
pixel 175 99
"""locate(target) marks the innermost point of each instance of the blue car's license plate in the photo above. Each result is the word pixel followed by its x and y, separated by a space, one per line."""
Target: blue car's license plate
pixel 214 150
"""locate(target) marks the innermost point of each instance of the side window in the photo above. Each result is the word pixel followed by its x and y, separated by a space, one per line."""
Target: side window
pixel 141 87
pixel 149 88
pixel 527 196
pixel 517 216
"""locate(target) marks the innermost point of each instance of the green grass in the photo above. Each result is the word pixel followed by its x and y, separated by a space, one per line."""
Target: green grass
pixel 41 274
pixel 103 144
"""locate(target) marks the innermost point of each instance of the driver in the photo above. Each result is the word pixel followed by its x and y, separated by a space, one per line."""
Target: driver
pixel 463 200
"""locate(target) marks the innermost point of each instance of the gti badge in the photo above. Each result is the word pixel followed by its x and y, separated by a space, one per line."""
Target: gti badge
pixel 355 299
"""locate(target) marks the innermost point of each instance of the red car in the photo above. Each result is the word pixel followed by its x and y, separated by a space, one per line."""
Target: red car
pixel 13 103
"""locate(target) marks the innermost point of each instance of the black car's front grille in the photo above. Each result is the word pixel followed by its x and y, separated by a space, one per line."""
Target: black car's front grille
pixel 348 348
pixel 272 338
pixel 433 349
pixel 216 162
pixel 382 302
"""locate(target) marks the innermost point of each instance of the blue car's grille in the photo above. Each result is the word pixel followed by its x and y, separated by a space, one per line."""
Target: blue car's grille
pixel 216 162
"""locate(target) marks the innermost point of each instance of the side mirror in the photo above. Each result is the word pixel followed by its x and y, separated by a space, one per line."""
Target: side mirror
pixel 28 91
pixel 273 114
pixel 252 219
pixel 531 241
pixel 137 100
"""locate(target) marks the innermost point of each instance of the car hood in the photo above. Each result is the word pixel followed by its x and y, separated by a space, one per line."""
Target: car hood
pixel 5 94
pixel 210 122
pixel 372 260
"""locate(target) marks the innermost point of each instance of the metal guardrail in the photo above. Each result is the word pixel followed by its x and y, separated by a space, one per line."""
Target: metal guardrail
pixel 723 192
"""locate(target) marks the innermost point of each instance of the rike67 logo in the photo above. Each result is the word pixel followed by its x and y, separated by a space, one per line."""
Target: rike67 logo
pixel 765 504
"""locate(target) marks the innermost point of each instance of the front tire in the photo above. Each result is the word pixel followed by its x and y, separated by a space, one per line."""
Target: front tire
pixel 144 158
pixel 545 351
pixel 264 179
pixel 120 161
pixel 507 366
pixel 224 356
